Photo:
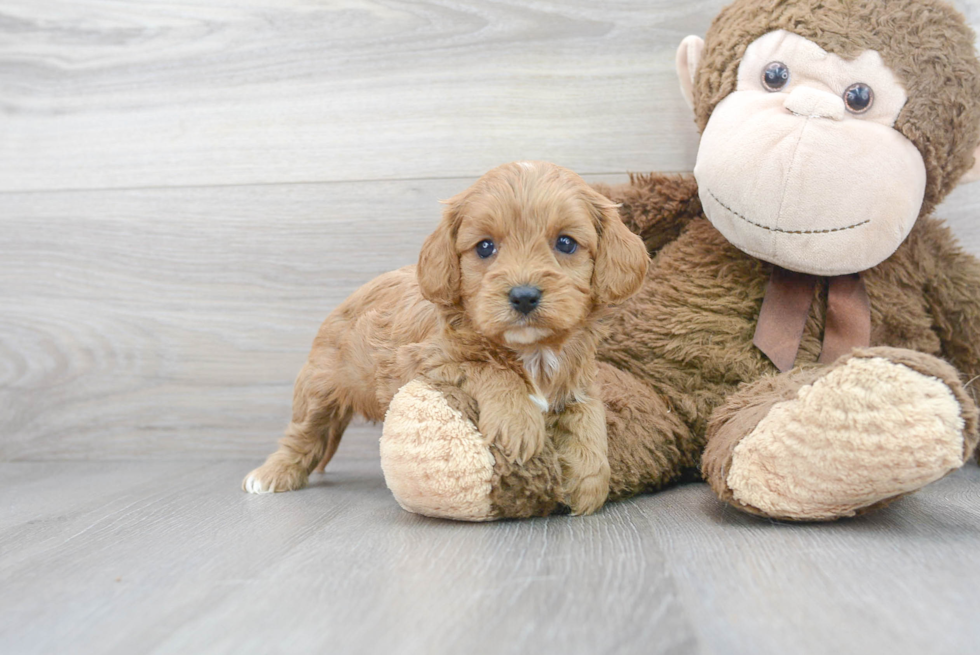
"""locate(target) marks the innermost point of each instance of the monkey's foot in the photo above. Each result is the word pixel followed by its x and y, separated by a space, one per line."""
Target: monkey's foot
pixel 835 441
pixel 437 463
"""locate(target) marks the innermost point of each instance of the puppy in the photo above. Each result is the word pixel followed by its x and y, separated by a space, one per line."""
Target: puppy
pixel 505 304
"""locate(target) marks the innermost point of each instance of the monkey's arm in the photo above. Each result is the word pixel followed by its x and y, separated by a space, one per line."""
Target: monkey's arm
pixel 656 206
pixel 953 293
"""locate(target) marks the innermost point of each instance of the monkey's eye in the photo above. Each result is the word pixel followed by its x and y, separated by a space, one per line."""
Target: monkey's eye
pixel 566 244
pixel 485 248
pixel 858 98
pixel 775 76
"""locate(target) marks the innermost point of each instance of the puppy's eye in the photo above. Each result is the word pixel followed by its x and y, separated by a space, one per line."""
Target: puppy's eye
pixel 566 244
pixel 485 248
pixel 775 76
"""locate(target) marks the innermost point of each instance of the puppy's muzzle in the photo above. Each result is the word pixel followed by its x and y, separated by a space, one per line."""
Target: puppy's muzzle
pixel 525 299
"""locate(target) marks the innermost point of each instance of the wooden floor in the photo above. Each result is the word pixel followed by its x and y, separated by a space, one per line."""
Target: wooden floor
pixel 170 557
pixel 187 188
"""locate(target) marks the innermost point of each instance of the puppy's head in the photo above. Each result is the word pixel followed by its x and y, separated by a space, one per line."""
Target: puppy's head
pixel 529 252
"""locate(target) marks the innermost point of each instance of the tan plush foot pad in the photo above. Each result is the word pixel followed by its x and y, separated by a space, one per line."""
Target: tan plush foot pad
pixel 865 432
pixel 435 461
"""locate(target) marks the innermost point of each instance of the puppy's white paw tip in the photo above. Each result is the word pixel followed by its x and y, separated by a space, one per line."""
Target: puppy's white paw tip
pixel 254 486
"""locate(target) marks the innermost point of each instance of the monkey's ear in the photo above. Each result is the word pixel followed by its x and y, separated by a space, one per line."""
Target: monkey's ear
pixel 621 259
pixel 688 58
pixel 973 174
pixel 438 269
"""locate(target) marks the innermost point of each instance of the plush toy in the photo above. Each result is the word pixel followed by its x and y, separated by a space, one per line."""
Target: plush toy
pixel 807 334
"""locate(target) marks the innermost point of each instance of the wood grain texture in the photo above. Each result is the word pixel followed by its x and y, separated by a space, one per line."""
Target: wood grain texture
pixel 170 557
pixel 962 211
pixel 149 323
pixel 179 560
pixel 172 322
pixel 99 93
pixel 108 94
pixel 188 188
pixel 145 322
pixel 901 580
pixel 164 320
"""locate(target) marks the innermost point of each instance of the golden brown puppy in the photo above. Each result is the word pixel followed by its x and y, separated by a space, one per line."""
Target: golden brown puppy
pixel 505 305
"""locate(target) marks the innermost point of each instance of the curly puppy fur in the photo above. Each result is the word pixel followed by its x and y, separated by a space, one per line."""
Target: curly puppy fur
pixel 451 320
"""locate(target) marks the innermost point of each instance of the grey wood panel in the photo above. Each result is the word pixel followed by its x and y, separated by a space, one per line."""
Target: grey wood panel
pixel 98 93
pixel 962 211
pixel 171 557
pixel 185 562
pixel 149 322
pixel 901 580
pixel 171 322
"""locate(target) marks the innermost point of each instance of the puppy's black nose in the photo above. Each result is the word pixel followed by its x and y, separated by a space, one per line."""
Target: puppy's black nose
pixel 525 299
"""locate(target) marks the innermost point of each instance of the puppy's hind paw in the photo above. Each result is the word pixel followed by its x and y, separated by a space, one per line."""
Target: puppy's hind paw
pixel 271 478
pixel 253 484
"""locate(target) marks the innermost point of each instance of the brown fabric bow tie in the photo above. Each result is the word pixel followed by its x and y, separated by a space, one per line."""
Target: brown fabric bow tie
pixel 787 304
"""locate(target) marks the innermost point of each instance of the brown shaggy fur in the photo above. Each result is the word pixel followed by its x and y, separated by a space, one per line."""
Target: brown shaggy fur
pixel 678 350
pixel 451 321
pixel 678 369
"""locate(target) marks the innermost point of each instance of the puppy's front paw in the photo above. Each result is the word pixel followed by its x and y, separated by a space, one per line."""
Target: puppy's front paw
pixel 273 477
pixel 519 432
pixel 587 494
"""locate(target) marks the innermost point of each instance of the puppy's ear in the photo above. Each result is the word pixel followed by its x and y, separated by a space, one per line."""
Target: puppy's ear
pixel 621 261
pixel 438 269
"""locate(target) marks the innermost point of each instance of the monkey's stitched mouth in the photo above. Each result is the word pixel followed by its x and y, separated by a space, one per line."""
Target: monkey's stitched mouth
pixel 776 229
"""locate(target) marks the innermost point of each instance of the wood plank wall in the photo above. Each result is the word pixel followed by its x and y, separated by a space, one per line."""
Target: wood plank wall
pixel 188 188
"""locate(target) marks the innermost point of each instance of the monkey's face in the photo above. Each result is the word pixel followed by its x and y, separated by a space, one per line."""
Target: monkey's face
pixel 801 166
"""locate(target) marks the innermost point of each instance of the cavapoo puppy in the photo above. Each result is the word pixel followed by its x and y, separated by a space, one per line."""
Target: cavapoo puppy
pixel 504 307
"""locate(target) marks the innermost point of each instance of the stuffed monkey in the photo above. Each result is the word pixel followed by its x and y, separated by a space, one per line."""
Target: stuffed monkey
pixel 808 333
